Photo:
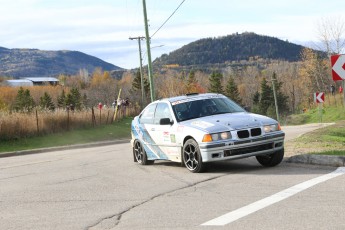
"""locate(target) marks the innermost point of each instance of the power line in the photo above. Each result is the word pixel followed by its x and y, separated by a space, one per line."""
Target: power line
pixel 168 18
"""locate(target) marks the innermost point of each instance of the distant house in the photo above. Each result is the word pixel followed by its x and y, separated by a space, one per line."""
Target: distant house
pixel 19 82
pixel 43 80
pixel 32 81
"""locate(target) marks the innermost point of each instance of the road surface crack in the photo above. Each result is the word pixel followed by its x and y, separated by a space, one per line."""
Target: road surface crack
pixel 103 223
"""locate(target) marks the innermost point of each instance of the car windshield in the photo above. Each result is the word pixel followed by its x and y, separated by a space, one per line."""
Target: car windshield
pixel 205 107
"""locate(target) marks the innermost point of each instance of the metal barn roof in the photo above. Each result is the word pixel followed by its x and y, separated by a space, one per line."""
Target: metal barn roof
pixel 19 82
pixel 42 79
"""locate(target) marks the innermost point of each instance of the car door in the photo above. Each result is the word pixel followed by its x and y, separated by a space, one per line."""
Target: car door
pixel 164 135
pixel 147 131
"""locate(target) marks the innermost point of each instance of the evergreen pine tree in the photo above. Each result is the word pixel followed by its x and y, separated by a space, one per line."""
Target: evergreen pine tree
pixel 266 104
pixel 256 101
pixel 136 85
pixel 76 98
pixel 19 102
pixel 46 102
pixel 256 98
pixel 215 82
pixel 231 91
pixel 282 100
pixel 69 101
pixel 24 101
pixel 61 100
pixel 29 101
pixel 85 100
pixel 266 97
pixel 191 82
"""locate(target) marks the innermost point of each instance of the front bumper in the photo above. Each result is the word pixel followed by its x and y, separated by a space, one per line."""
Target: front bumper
pixel 242 148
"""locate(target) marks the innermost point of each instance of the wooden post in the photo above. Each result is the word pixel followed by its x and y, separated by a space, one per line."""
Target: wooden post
pixel 38 130
pixel 68 118
pixel 107 117
pixel 118 98
pixel 93 119
pixel 100 115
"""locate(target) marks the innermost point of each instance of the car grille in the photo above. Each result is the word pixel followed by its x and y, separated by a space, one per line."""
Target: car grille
pixel 234 152
pixel 249 133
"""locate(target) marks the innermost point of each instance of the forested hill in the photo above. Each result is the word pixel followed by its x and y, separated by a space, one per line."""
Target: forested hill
pixel 39 63
pixel 235 47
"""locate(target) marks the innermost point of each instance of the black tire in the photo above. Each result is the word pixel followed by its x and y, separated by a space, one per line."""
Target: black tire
pixel 191 157
pixel 139 154
pixel 272 159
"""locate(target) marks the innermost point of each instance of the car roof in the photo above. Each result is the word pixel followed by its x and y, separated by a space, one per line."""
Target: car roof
pixel 192 97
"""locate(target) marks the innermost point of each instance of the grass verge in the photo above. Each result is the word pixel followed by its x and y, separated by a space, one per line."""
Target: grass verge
pixel 329 140
pixel 117 130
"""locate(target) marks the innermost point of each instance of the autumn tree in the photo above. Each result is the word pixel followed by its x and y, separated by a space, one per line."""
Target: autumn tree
pixel 3 105
pixel 314 72
pixel 169 85
pixel 192 83
pixel 102 88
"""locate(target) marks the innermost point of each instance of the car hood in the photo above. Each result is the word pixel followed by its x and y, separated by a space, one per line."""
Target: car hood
pixel 229 121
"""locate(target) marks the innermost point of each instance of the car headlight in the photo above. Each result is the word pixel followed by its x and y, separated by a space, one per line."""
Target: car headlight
pixel 271 128
pixel 216 137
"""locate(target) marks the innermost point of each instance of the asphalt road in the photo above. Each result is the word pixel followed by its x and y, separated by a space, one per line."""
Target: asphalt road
pixel 102 188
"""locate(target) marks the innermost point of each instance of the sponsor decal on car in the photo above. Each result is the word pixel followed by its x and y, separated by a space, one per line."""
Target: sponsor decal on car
pixel 166 136
pixel 172 138
pixel 202 124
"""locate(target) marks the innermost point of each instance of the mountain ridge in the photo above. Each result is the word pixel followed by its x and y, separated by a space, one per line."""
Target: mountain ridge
pixel 23 62
pixel 231 48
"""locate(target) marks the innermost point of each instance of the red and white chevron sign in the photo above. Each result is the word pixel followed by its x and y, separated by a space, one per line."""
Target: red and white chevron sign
pixel 319 97
pixel 338 67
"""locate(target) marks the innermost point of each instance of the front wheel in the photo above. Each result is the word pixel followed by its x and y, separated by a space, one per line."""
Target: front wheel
pixel 192 157
pixel 272 159
pixel 140 154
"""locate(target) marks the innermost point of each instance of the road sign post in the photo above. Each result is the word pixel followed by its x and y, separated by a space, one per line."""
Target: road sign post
pixel 319 98
pixel 338 70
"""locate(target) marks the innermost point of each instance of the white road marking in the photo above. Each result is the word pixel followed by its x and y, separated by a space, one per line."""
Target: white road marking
pixel 256 206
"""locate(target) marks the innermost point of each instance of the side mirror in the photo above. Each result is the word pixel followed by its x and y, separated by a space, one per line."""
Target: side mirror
pixel 166 121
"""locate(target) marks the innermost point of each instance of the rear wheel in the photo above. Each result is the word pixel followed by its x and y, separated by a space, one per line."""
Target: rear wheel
pixel 271 159
pixel 140 154
pixel 192 157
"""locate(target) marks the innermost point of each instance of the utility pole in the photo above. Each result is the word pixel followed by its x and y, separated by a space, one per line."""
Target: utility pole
pixel 149 64
pixel 141 71
pixel 275 95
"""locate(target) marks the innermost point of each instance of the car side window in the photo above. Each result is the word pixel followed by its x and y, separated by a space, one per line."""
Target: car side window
pixel 162 111
pixel 148 114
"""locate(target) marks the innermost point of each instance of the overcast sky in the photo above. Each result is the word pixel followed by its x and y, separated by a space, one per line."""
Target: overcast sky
pixel 102 28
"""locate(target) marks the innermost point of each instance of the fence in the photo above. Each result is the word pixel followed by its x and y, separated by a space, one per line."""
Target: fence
pixel 20 125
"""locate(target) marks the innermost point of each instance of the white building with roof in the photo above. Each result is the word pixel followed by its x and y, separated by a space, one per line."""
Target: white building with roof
pixel 31 81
